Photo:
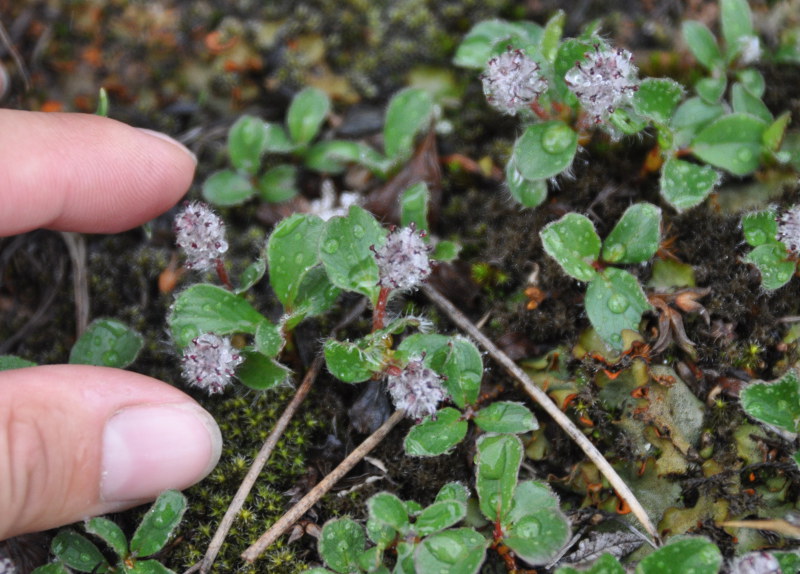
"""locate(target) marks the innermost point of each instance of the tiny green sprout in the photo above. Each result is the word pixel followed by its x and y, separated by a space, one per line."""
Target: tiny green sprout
pixel 614 299
pixel 75 551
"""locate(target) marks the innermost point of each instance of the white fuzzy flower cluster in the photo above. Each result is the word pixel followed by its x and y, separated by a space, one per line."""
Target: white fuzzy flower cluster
pixel 403 260
pixel 789 229
pixel 512 81
pixel 417 390
pixel 749 50
pixel 209 362
pixel 603 81
pixel 201 234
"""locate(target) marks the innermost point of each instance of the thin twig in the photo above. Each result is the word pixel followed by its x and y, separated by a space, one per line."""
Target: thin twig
pixel 21 68
pixel 538 395
pixel 76 245
pixel 310 499
pixel 263 455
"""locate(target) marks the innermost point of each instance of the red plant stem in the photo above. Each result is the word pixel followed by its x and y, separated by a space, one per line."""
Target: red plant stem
pixel 222 273
pixel 380 309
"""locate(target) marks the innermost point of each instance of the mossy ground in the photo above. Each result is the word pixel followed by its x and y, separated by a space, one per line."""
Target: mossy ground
pixel 167 67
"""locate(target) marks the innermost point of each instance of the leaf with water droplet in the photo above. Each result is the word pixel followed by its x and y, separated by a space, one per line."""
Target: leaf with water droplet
pixel 606 564
pixel 341 542
pixel 497 461
pixel 545 150
pixel 261 372
pixel 732 142
pixel 293 249
pixel 638 231
pixel 78 552
pixel 538 536
pixel 656 98
pixel 529 193
pixel 158 523
pixel 438 516
pixel 685 184
pixel 110 533
pixel 775 403
pixel 106 343
pixel 773 263
pixel 615 301
pixel 760 227
pixel 506 416
pixel 574 243
pixel 8 362
pixel 460 550
pixel 352 362
pixel 461 364
pixel 385 508
pixel 689 554
pixel 436 435
pixel 205 308
pixel 349 260
pixel 490 37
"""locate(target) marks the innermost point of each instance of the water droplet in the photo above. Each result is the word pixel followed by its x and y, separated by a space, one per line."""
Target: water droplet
pixel 614 252
pixel 110 358
pixel 744 155
pixel 617 303
pixel 558 138
pixel 755 237
pixel 358 231
pixel 331 246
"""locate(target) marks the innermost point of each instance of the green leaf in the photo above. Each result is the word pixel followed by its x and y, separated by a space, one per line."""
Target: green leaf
pixel 497 461
pixel 269 339
pixel 746 103
pixel 732 142
pixel 345 249
pixel 545 150
pixel 529 496
pixel 332 157
pixel 410 112
pixel 690 117
pixel 789 561
pixel 306 113
pixel 292 250
pixel 8 362
pixel 277 140
pixel 78 552
pixel 438 516
pixel 340 543
pixel 453 491
pixel 252 274
pixel 110 533
pixel 527 193
pixel 636 236
pixel 760 228
pixel 753 81
pixel 685 184
pixel 387 509
pixel 773 135
pixel 227 187
pixel 371 560
pixel 150 567
pixel 573 242
pixel 314 296
pixel 656 98
pixel 445 251
pixel 504 416
pixel 711 89
pixel 278 184
pixel 247 141
pixel 414 207
pixel 614 302
pixel 54 568
pixel 737 23
pixel 482 40
pixel 462 366
pixel 606 564
pixel 351 362
pixel 206 308
pixel 702 44
pixel 771 260
pixel 433 437
pixel 261 372
pixel 106 343
pixel 776 403
pixel 424 344
pixel 553 31
pixel 158 523
pixel 459 551
pixel 696 555
pixel 538 536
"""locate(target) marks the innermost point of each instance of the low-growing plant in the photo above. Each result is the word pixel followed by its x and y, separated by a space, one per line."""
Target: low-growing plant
pixel 775 239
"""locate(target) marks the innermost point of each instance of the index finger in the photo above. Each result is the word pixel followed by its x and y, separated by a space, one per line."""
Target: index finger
pixel 77 172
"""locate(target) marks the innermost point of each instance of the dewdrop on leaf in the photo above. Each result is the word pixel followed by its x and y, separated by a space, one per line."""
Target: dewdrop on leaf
pixel 201 234
pixel 403 260
pixel 209 362
pixel 605 80
pixel 512 81
pixel 417 390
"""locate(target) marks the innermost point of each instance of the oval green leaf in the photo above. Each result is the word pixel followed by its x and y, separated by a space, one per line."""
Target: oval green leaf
pixel 106 343
pixel 247 141
pixel 573 242
pixel 732 142
pixel 538 536
pixel 497 461
pixel 614 302
pixel 771 260
pixel 636 236
pixel 227 187
pixel 306 113
pixel 760 228
pixel 158 523
pixel 528 193
pixel 545 150
pixel 696 555
pixel 389 510
pixel 433 437
pixel 78 552
pixel 110 533
pixel 460 550
pixel 341 542
pixel 505 416
pixel 293 249
pixel 702 44
pixel 410 113
pixel 278 184
pixel 656 98
pixel 685 185
pixel 438 516
pixel 775 403
pixel 261 372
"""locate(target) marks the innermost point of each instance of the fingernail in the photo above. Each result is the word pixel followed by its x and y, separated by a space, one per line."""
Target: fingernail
pixel 166 138
pixel 152 448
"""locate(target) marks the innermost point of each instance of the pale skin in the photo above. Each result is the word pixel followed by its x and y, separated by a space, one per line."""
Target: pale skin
pixel 79 441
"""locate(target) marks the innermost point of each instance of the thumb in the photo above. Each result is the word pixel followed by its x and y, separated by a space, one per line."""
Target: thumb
pixel 78 441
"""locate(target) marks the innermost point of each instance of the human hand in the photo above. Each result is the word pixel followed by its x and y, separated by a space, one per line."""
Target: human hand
pixel 78 441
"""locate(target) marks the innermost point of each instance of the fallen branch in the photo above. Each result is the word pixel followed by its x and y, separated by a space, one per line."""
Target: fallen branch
pixel 298 510
pixel 538 395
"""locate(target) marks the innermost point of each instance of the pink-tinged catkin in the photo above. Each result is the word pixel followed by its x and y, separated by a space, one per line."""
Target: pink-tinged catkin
pixel 417 389
pixel 789 229
pixel 403 261
pixel 209 362
pixel 605 80
pixel 201 234
pixel 512 82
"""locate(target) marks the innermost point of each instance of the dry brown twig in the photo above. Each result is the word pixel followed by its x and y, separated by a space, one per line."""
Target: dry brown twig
pixel 538 395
